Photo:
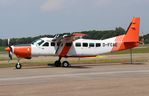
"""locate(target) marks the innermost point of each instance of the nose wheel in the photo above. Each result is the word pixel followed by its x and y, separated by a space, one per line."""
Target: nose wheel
pixel 18 66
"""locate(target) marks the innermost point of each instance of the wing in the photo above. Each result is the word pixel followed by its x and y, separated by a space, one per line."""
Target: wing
pixel 68 38
pixel 65 42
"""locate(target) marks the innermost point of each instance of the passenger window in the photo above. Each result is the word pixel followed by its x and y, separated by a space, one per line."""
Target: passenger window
pixel 46 44
pixel 52 44
pixel 91 44
pixel 78 44
pixel 85 44
pixel 98 44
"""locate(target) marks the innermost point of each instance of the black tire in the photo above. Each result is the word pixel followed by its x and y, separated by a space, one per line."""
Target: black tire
pixel 66 64
pixel 18 66
pixel 57 64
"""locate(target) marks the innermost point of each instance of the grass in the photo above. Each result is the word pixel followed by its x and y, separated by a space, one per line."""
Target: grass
pixel 2 48
pixel 24 64
pixel 101 61
pixel 4 63
pixel 136 50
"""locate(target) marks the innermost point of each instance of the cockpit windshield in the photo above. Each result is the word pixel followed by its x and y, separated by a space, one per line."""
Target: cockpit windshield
pixel 38 42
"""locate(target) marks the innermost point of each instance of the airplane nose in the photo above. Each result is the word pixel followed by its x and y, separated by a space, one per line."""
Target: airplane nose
pixel 23 51
pixel 7 49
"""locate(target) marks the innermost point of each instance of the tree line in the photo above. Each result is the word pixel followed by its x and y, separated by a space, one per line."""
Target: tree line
pixel 92 34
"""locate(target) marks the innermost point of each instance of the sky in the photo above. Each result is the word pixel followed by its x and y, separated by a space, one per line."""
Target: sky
pixel 23 18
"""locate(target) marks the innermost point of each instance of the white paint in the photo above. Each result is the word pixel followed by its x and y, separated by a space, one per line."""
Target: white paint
pixel 39 50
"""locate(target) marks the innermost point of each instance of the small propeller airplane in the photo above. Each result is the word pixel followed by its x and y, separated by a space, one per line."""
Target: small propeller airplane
pixel 75 46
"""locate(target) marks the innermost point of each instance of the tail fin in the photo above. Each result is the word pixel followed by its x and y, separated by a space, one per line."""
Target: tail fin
pixel 133 31
pixel 131 38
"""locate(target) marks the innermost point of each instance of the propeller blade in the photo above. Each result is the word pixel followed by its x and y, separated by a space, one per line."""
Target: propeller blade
pixel 8 42
pixel 10 55
pixel 10 52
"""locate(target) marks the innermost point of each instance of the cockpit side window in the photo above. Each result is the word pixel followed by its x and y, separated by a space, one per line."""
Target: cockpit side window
pixel 46 44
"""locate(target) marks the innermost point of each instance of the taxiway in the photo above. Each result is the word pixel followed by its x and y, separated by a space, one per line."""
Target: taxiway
pixel 79 80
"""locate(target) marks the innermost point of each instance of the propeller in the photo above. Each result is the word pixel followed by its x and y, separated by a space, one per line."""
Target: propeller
pixel 10 51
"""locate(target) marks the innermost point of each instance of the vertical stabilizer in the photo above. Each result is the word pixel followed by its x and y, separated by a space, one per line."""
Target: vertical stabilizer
pixel 131 38
pixel 133 31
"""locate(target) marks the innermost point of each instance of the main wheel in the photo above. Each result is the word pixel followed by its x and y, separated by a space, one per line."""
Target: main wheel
pixel 66 64
pixel 18 66
pixel 57 63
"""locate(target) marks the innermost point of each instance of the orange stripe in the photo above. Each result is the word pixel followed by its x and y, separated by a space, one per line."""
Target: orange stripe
pixel 119 43
pixel 65 51
pixel 122 45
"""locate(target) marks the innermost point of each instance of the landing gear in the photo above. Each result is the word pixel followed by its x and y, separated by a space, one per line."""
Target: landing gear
pixel 65 64
pixel 59 64
pixel 18 66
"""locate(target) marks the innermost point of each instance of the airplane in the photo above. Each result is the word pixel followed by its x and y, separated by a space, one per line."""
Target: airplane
pixel 75 46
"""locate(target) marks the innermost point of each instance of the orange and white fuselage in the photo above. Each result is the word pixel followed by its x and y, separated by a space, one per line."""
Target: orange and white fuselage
pixel 80 47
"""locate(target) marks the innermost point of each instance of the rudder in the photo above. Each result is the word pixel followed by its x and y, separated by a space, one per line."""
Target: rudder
pixel 131 38
pixel 133 31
